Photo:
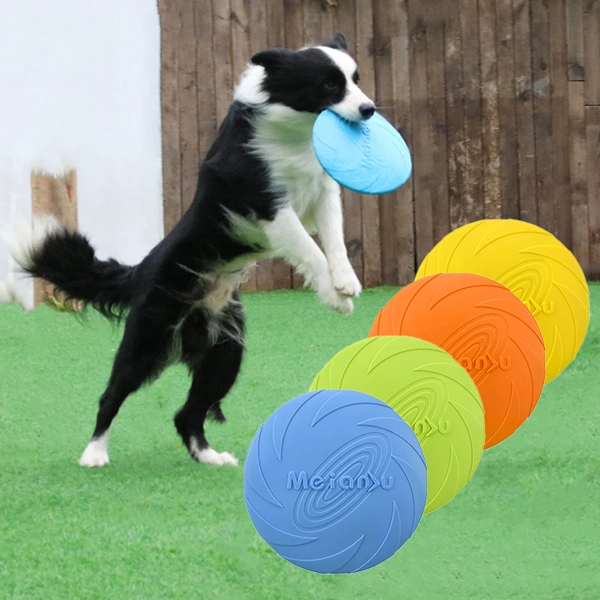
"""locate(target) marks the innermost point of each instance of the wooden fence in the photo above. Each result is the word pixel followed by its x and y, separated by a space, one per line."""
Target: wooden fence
pixel 499 101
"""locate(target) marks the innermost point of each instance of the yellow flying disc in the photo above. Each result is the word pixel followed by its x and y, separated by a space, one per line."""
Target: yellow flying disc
pixel 535 266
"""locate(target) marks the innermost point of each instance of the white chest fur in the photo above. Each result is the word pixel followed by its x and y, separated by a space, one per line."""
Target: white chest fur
pixel 284 141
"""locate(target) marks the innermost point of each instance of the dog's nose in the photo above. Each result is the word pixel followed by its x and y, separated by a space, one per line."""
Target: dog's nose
pixel 366 110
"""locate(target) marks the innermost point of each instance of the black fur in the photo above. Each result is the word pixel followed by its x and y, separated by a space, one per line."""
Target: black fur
pixel 163 294
pixel 166 296
pixel 338 42
pixel 68 261
pixel 305 81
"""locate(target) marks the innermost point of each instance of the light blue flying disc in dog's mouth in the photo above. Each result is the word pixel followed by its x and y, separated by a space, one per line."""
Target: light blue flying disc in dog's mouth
pixel 369 157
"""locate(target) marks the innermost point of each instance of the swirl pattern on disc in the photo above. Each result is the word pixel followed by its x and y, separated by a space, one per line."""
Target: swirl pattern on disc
pixel 335 481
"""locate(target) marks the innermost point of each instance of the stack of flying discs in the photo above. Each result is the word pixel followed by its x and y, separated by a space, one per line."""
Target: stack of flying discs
pixel 394 425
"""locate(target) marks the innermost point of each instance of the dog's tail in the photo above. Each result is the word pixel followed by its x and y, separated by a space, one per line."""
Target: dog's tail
pixel 65 258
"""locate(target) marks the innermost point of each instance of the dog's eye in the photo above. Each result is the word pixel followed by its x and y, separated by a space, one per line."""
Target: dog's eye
pixel 356 77
pixel 330 85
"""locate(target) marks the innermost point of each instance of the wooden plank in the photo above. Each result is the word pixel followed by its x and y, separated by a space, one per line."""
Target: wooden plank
pixel 370 205
pixel 258 21
pixel 352 207
pixel 392 79
pixel 188 102
pixel 346 23
pixel 577 142
pixel 331 24
pixel 205 64
pixel 239 20
pixel 528 210
pixel 346 20
pixel 592 119
pixel 240 55
pixel 275 23
pixel 591 32
pixel 421 136
pixel 170 26
pixel 473 208
pixel 509 166
pixel 280 270
pixel 282 275
pixel 294 23
pixel 576 54
pixel 313 11
pixel 557 14
pixel 404 201
pixel 251 283
pixel 294 38
pixel 581 235
pixel 455 119
pixel 578 151
pixel 240 37
pixel 56 195
pixel 384 76
pixel 489 110
pixel 440 204
pixel 328 18
pixel 542 114
pixel 223 57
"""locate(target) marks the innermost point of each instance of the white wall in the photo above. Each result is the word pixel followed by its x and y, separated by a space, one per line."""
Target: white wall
pixel 80 84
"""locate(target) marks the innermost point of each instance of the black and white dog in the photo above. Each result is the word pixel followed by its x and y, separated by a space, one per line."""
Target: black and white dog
pixel 260 193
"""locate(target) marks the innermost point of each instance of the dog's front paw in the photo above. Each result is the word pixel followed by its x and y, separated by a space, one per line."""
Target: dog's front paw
pixel 345 306
pixel 345 280
pixel 339 302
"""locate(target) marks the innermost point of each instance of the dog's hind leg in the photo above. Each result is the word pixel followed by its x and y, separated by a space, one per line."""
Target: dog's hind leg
pixel 141 357
pixel 213 375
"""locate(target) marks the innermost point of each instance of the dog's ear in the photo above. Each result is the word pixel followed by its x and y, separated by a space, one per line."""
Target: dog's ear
pixel 338 42
pixel 271 58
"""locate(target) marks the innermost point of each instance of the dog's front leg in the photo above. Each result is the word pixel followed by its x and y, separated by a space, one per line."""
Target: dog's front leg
pixel 290 240
pixel 330 227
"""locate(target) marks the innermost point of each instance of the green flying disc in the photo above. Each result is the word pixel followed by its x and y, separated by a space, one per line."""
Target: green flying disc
pixel 430 391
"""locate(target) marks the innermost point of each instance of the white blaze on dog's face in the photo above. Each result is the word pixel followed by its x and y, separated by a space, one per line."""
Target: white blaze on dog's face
pixel 355 105
pixel 308 80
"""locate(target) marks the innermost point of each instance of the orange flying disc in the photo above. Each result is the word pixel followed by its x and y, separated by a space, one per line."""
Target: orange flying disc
pixel 487 329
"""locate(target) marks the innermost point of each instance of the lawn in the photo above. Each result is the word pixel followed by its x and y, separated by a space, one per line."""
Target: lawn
pixel 155 525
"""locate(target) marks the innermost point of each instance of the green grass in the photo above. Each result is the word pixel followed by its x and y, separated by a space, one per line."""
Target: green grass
pixel 153 524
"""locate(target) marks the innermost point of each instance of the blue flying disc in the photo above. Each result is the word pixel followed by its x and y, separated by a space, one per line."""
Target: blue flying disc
pixel 335 481
pixel 369 157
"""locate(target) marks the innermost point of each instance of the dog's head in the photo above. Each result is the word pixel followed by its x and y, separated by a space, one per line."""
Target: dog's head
pixel 308 80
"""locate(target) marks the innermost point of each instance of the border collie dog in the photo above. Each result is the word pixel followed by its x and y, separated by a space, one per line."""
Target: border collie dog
pixel 261 192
